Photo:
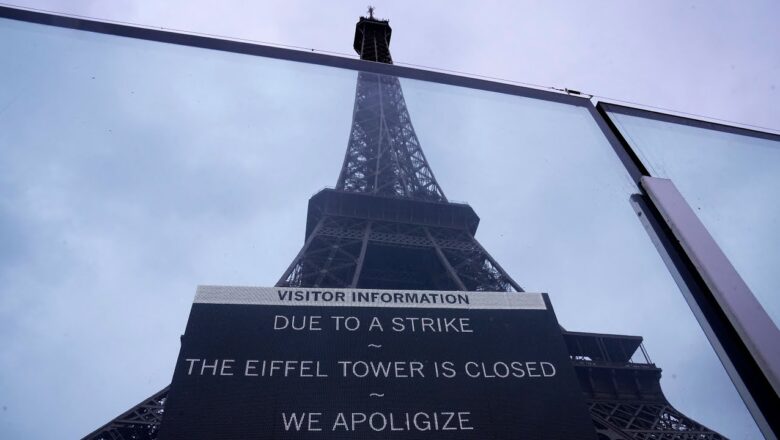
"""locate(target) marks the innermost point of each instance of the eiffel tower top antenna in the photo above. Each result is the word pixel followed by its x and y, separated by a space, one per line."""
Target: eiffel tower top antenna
pixel 370 12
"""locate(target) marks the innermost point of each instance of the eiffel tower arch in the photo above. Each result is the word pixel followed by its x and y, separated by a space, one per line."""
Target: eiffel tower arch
pixel 388 225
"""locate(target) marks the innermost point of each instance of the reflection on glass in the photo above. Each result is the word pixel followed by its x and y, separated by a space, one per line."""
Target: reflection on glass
pixel 731 181
pixel 132 171
pixel 554 203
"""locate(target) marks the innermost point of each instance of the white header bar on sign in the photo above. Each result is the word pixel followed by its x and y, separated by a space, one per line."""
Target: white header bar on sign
pixel 290 296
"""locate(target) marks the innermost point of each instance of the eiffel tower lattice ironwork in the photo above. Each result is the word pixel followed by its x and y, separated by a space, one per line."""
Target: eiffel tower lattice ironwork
pixel 388 225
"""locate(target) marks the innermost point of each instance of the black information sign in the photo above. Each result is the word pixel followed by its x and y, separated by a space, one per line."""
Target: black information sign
pixel 280 363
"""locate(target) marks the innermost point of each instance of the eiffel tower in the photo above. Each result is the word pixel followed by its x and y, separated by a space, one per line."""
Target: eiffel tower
pixel 388 225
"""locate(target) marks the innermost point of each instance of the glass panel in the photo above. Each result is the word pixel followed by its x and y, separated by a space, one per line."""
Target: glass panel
pixel 132 171
pixel 554 204
pixel 729 180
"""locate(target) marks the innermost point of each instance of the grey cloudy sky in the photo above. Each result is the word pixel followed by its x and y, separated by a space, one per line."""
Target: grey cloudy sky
pixel 715 58
pixel 132 172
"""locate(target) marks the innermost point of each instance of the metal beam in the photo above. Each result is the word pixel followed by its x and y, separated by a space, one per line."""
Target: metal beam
pixel 362 257
pixel 445 262
pixel 297 258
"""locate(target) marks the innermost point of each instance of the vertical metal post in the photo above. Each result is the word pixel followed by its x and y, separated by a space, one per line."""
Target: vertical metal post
pixel 739 329
pixel 751 321
pixel 362 257
pixel 445 262
pixel 306 245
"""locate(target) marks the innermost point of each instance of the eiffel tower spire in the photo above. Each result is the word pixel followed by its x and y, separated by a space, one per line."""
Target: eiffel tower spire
pixel 372 38
pixel 383 156
pixel 388 225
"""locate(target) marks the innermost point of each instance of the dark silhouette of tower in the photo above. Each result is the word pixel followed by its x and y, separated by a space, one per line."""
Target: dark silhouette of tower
pixel 388 225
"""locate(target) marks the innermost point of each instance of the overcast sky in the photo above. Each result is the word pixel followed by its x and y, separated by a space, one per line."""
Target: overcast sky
pixel 135 171
pixel 714 58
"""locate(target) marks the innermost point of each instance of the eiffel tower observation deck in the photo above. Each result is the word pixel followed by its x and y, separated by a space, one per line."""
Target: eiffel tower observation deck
pixel 388 225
